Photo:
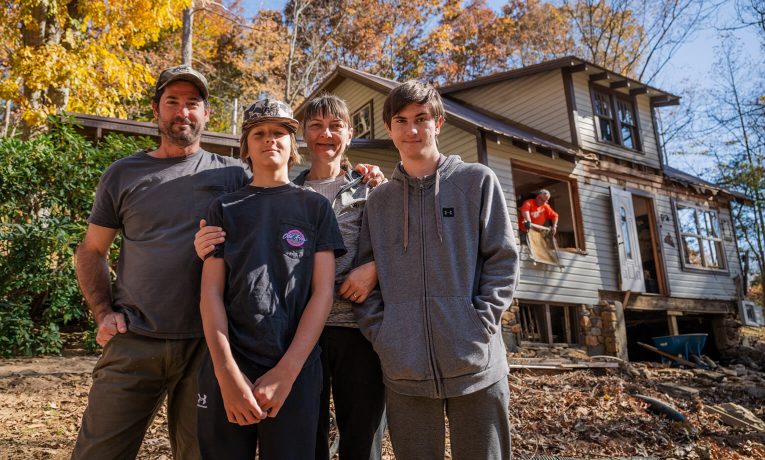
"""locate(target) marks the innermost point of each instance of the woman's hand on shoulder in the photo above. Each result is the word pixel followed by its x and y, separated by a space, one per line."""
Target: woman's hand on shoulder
pixel 372 174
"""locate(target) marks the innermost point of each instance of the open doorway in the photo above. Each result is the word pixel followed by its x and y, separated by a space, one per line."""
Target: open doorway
pixel 648 242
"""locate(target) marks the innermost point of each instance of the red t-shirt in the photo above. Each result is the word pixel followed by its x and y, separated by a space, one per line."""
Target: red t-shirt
pixel 538 214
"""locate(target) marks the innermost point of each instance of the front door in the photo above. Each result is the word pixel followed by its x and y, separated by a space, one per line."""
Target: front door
pixel 631 267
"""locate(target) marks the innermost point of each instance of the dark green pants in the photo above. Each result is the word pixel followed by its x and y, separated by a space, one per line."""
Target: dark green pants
pixel 130 382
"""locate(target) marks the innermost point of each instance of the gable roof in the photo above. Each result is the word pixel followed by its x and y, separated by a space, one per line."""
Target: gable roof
pixel 658 97
pixel 456 113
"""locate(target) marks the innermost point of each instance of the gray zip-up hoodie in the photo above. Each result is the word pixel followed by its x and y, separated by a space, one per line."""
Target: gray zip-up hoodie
pixel 447 267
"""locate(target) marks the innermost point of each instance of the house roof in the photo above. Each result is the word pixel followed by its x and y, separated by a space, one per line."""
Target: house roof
pixel 455 112
pixel 701 185
pixel 595 72
pixel 95 126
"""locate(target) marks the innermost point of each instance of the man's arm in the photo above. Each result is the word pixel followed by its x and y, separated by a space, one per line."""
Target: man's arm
pixel 236 389
pixel 499 271
pixel 95 283
pixel 273 387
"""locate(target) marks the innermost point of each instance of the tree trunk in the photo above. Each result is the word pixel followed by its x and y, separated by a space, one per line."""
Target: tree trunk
pixel 42 30
pixel 188 30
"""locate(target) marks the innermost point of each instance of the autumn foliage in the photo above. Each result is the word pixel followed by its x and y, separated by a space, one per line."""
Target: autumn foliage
pixel 102 57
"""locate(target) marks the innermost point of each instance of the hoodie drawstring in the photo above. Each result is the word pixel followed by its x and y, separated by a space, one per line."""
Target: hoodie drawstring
pixel 405 183
pixel 437 205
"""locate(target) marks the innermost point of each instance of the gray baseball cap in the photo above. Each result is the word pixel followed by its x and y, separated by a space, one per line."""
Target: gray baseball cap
pixel 269 110
pixel 183 73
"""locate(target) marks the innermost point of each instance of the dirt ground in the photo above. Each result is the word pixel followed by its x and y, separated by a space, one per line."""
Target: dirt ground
pixel 587 414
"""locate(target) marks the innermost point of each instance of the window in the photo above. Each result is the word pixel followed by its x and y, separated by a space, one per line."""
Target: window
pixel 363 122
pixel 548 323
pixel 564 199
pixel 616 118
pixel 700 237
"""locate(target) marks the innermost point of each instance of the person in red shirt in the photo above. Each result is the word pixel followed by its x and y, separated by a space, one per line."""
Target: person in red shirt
pixel 537 211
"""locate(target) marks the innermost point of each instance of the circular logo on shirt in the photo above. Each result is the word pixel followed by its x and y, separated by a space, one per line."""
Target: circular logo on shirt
pixel 294 238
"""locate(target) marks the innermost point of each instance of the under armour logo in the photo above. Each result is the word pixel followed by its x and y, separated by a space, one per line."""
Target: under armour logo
pixel 202 401
pixel 447 212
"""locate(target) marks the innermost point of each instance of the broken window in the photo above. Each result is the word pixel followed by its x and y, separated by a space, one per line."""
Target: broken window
pixel 616 118
pixel 564 199
pixel 700 237
pixel 548 323
pixel 363 122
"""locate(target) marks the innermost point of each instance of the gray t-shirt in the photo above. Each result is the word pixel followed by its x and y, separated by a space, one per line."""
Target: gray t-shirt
pixel 272 236
pixel 156 204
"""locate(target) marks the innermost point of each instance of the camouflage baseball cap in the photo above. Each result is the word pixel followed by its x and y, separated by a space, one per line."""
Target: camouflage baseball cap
pixel 183 73
pixel 269 110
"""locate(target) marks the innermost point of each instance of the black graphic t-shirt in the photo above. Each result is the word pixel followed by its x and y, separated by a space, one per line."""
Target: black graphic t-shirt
pixel 272 235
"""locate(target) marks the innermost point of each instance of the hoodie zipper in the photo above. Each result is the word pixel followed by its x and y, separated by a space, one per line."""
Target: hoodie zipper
pixel 426 306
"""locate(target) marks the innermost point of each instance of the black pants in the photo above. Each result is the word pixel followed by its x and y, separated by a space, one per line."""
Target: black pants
pixel 352 373
pixel 291 435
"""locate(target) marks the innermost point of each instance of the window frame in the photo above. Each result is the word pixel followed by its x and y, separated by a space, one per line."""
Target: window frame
pixel 687 266
pixel 371 131
pixel 573 190
pixel 613 97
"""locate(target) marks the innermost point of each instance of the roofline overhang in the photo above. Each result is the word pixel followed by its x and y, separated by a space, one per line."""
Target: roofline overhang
pixel 573 64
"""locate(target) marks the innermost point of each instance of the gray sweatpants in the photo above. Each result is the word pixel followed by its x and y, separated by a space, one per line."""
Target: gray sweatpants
pixel 479 428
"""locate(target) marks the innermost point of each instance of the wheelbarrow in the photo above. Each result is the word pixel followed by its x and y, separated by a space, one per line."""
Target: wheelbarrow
pixel 683 344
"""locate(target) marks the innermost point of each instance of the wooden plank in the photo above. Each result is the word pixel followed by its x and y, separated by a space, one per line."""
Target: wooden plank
pixel 677 359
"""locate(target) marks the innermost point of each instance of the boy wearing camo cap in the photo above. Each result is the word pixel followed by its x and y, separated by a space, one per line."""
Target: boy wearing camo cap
pixel 266 293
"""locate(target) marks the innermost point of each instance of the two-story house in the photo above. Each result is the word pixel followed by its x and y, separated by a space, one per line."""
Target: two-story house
pixel 644 249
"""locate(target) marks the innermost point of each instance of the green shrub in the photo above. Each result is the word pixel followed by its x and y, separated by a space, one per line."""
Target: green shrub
pixel 47 185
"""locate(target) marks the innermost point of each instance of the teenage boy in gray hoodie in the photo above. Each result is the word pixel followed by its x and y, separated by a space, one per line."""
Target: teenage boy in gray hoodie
pixel 447 265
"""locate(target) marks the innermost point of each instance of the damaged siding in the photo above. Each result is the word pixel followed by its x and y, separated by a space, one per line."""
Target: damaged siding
pixel 582 275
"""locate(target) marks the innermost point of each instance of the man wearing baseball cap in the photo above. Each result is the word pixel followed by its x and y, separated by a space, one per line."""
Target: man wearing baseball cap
pixel 148 321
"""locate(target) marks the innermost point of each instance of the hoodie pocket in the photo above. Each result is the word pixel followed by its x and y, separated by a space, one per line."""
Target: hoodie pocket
pixel 460 340
pixel 401 343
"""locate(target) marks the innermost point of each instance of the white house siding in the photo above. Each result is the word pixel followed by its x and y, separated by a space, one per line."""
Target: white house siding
pixel 682 284
pixel 356 95
pixel 385 159
pixel 582 275
pixel 694 285
pixel 537 101
pixel 457 141
pixel 588 133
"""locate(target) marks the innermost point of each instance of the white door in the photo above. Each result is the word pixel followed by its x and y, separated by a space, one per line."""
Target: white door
pixel 631 267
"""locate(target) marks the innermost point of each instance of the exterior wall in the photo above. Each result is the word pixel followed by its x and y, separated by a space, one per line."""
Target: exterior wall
pixel 385 159
pixel 356 95
pixel 682 283
pixel 582 275
pixel 691 284
pixel 457 141
pixel 588 133
pixel 537 101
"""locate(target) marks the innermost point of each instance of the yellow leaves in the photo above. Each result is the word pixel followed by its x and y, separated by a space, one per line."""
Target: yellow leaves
pixel 88 58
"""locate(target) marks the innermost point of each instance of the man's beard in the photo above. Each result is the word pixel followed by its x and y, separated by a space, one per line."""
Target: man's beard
pixel 181 138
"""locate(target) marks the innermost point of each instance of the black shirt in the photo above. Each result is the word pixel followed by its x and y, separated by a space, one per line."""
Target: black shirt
pixel 272 235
